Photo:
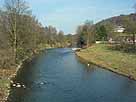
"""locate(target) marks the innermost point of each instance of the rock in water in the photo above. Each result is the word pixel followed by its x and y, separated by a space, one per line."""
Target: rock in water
pixel 24 86
pixel 14 85
pixel 42 83
pixel 11 82
pixel 18 86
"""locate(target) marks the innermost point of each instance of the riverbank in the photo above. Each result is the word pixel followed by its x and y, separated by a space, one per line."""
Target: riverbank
pixel 7 75
pixel 116 61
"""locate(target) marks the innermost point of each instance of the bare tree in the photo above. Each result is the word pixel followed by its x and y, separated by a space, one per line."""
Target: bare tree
pixel 89 25
pixel 14 9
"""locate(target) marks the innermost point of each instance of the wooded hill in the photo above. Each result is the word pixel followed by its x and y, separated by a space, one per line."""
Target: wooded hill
pixel 126 21
pixel 104 30
pixel 118 20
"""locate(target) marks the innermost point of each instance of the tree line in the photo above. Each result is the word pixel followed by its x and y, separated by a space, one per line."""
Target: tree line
pixel 21 34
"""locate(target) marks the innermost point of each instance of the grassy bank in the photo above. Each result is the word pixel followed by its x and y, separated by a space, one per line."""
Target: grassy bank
pixel 116 61
pixel 5 74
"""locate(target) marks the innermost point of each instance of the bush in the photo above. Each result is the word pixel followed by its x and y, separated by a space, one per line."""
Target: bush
pixel 128 48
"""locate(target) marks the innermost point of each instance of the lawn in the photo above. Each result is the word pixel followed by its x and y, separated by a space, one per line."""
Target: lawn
pixel 102 55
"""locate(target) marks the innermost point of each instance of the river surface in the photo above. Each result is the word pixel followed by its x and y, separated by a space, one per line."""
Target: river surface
pixel 58 76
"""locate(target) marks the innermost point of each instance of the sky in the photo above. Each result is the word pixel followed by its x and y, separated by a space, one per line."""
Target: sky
pixel 66 15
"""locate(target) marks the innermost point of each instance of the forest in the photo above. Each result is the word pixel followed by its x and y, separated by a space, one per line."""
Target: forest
pixel 22 35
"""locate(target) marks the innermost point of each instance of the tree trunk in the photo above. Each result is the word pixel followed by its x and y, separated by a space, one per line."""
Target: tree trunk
pixel 15 39
pixel 88 38
pixel 134 39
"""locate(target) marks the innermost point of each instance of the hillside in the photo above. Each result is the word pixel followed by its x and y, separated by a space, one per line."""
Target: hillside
pixel 117 20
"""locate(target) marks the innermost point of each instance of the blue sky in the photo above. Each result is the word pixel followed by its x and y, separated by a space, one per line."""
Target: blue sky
pixel 66 15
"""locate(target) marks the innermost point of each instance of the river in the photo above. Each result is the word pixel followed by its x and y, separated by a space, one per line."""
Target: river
pixel 57 75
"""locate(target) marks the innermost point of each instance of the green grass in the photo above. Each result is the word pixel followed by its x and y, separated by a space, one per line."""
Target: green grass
pixel 4 83
pixel 100 54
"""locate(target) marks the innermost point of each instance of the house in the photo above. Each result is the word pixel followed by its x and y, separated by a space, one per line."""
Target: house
pixel 119 29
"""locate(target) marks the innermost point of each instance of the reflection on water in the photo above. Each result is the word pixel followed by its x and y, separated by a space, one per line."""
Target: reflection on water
pixel 58 76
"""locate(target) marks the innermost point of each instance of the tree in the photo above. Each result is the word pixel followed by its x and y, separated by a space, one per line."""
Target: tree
pixel 3 36
pixel 86 35
pixel 101 33
pixel 61 38
pixel 90 36
pixel 14 10
pixel 22 35
pixel 81 36
pixel 69 40
pixel 130 27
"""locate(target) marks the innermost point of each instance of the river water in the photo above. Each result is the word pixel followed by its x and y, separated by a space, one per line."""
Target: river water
pixel 58 76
